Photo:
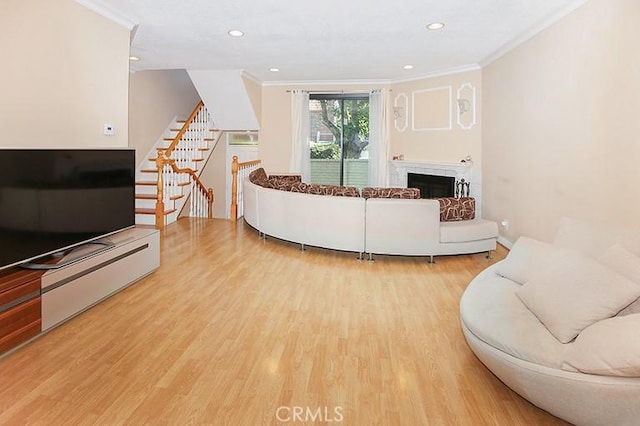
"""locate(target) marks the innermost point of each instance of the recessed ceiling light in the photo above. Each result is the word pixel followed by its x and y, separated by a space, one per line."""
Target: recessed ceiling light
pixel 435 26
pixel 134 58
pixel 236 33
pixel 274 69
pixel 408 67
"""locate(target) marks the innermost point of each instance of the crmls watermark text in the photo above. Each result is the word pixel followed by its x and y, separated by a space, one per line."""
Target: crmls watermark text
pixel 310 414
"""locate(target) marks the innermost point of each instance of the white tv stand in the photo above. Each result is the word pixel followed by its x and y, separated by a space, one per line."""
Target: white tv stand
pixel 71 289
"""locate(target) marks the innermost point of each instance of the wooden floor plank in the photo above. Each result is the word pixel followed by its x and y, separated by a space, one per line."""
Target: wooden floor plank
pixel 233 327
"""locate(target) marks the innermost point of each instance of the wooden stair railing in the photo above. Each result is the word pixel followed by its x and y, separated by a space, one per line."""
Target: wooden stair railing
pixel 239 170
pixel 200 194
pixel 184 129
pixel 176 166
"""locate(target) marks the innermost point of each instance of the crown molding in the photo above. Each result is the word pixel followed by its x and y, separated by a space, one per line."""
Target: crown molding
pixel 324 82
pixel 440 73
pixel 101 9
pixel 532 32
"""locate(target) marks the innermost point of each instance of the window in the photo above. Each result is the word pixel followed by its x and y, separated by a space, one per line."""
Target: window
pixel 339 132
pixel 243 138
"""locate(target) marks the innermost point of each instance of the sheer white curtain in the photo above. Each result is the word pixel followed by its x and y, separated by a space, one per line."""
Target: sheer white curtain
pixel 379 138
pixel 300 161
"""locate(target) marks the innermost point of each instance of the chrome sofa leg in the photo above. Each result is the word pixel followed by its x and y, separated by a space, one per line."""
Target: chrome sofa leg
pixel 302 248
pixel 431 261
pixel 370 259
pixel 359 258
pixel 489 255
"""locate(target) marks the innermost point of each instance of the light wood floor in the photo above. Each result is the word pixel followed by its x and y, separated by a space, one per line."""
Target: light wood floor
pixel 231 328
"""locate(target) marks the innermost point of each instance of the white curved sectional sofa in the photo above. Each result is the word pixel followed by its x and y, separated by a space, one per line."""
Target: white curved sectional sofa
pixel 520 317
pixel 373 225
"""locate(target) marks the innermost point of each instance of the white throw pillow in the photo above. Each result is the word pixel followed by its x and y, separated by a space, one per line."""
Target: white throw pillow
pixel 525 258
pixel 573 291
pixel 621 260
pixel 633 308
pixel 610 347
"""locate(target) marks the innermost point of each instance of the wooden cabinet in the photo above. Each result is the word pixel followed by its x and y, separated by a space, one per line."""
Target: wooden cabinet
pixel 35 301
pixel 20 307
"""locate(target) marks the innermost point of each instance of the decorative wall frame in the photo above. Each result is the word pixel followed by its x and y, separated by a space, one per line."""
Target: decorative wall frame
pixel 400 112
pixel 431 109
pixel 466 106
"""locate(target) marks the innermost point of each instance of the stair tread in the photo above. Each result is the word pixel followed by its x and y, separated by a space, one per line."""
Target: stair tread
pixel 195 159
pixel 156 171
pixel 153 182
pixel 154 196
pixel 152 211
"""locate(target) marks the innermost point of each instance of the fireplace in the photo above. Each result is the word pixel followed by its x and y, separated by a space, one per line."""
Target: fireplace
pixel 467 177
pixel 432 186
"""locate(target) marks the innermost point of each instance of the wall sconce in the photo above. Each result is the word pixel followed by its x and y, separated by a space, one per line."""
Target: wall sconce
pixel 464 105
pixel 400 112
pixel 466 101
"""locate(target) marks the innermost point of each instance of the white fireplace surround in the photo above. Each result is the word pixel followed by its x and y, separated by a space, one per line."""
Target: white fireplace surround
pixel 398 170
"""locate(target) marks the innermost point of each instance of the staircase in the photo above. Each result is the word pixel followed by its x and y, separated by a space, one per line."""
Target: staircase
pixel 184 149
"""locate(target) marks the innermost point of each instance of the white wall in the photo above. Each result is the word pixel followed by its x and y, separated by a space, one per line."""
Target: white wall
pixel 431 103
pixel 64 74
pixel 449 145
pixel 155 98
pixel 561 127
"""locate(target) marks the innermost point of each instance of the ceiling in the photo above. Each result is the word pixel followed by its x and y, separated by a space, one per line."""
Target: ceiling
pixel 327 40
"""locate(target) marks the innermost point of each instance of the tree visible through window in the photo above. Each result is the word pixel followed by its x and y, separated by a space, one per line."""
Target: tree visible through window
pixel 339 139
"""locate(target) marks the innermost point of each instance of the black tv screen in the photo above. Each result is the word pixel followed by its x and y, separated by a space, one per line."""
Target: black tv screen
pixel 54 199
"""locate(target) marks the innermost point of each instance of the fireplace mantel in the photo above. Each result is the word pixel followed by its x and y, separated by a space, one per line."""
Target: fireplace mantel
pixel 457 167
pixel 398 170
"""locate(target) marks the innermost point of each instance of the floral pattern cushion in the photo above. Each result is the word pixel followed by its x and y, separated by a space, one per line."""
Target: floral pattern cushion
pixel 406 193
pixel 454 209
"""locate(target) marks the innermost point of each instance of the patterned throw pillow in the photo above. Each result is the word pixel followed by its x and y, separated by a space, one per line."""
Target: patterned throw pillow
pixel 299 187
pixel 279 184
pixel 258 177
pixel 336 190
pixel 406 193
pixel 315 188
pixel 288 178
pixel 454 209
pixel 341 191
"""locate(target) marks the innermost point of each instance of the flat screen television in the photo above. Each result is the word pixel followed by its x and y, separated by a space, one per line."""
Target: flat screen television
pixel 52 200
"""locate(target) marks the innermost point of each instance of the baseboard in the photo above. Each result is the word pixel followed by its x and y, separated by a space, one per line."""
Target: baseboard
pixel 505 242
